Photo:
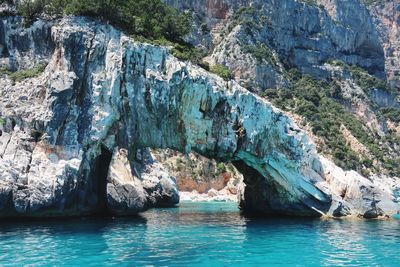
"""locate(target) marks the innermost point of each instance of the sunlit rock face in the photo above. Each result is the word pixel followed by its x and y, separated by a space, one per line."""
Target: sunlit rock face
pixel 302 34
pixel 74 139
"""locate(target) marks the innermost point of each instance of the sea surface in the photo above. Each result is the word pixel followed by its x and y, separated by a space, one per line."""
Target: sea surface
pixel 200 234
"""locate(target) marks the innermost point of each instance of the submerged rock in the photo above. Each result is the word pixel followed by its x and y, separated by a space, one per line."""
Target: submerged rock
pixel 77 144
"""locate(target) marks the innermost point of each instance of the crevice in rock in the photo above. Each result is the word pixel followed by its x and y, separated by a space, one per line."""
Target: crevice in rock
pixel 83 100
pixel 28 166
pixel 4 51
pixel 82 90
pixel 60 130
pixel 99 178
pixel 36 135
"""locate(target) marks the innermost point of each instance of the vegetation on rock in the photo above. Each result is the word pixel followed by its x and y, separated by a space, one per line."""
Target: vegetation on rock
pixel 149 18
pixel 21 75
pixel 222 71
pixel 315 101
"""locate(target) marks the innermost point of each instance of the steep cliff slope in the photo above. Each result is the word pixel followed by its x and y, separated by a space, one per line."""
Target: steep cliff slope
pixel 333 63
pixel 74 137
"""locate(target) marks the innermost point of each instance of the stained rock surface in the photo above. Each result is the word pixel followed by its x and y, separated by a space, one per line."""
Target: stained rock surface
pixel 73 140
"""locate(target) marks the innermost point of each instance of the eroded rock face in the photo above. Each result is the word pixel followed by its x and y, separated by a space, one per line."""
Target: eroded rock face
pixel 128 193
pixel 387 17
pixel 300 34
pixel 74 143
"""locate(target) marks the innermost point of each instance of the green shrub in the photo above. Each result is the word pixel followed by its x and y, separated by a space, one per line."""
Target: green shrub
pixel 261 53
pixel 391 114
pixel 246 16
pixel 221 167
pixel 270 93
pixel 30 10
pixel 204 28
pixel 186 51
pixel 222 71
pixel 4 70
pixel 21 75
pixel 55 8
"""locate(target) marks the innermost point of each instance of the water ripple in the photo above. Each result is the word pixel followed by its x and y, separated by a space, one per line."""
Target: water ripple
pixel 205 234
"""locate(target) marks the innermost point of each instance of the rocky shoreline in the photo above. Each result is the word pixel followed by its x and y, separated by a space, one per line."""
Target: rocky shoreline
pixel 212 195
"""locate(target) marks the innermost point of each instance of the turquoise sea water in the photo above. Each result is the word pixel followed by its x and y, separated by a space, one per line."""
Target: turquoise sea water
pixel 200 234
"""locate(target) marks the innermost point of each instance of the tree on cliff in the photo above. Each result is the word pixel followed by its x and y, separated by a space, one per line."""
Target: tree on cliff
pixel 150 18
pixel 30 10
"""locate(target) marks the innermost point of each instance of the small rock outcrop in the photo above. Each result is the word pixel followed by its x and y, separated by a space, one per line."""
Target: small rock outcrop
pixel 73 140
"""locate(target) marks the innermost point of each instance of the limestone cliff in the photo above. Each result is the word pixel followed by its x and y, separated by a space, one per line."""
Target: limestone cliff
pixel 73 138
pixel 304 34
pixel 348 47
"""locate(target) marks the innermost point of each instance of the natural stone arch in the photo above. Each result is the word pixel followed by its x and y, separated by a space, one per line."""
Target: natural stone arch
pixel 114 93
pixel 192 111
pixel 114 96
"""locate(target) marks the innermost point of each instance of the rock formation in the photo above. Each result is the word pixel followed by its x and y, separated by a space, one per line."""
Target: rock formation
pixel 269 44
pixel 300 34
pixel 73 140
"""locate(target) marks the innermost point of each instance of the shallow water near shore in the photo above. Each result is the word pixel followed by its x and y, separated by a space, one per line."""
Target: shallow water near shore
pixel 200 234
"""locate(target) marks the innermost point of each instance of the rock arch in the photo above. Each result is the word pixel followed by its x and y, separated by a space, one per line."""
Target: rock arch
pixel 112 97
pixel 173 105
